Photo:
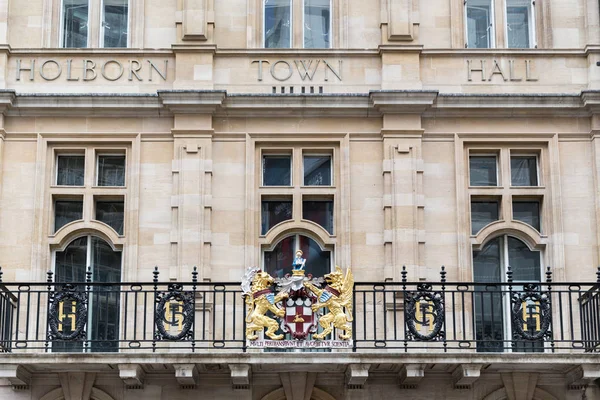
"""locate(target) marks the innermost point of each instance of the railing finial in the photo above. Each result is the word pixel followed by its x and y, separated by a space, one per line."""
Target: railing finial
pixel 88 274
pixel 1 274
pixel 404 273
pixel 155 273
pixel 443 274
pixel 509 274
pixel 195 274
pixel 598 275
pixel 49 273
pixel 548 274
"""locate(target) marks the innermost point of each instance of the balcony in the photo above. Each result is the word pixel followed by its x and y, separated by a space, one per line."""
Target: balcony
pixel 397 317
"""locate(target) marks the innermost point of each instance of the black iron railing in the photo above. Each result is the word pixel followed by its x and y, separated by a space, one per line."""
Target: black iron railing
pixel 399 316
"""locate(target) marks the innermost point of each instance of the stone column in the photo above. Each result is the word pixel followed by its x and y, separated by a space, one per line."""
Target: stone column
pixel 191 199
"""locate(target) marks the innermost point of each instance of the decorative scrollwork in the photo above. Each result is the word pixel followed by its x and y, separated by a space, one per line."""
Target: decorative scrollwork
pixel 531 313
pixel 67 304
pixel 424 307
pixel 174 307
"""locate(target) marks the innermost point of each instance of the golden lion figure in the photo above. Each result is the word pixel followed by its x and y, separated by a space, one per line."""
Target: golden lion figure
pixel 261 299
pixel 336 295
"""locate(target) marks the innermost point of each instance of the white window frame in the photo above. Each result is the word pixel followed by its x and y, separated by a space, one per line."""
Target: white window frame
pixel 330 26
pixel 97 167
pixel 491 27
pixel 531 23
pixel 496 156
pixel 264 25
pixel 102 25
pixel 61 36
pixel 309 153
pixel 537 168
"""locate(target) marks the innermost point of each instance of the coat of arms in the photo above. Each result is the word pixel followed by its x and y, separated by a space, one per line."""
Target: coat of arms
pixel 294 305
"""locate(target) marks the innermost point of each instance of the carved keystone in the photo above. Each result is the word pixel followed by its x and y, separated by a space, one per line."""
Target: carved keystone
pixel 132 375
pixel 357 375
pixel 77 385
pixel 582 375
pixel 187 375
pixel 465 375
pixel 17 375
pixel 411 375
pixel 240 375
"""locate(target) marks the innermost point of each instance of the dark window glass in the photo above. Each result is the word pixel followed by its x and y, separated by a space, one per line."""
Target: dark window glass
pixel 483 213
pixel 115 23
pixel 320 211
pixel 75 23
pixel 66 211
pixel 111 213
pixel 278 262
pixel 71 265
pixel 274 212
pixel 524 262
pixel 528 212
pixel 111 170
pixel 487 268
pixel 483 171
pixel 277 170
pixel 523 171
pixel 317 170
pixel 278 24
pixel 70 170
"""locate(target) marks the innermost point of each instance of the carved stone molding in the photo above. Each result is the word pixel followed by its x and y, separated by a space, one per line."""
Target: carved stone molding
pixel 77 385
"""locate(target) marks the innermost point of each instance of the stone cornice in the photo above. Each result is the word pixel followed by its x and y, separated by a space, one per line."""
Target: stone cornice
pixel 428 103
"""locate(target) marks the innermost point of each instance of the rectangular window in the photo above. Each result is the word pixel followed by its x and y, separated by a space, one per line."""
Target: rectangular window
pixel 317 24
pixel 480 28
pixel 528 212
pixel 66 211
pixel 274 212
pixel 320 212
pixel 483 213
pixel 278 24
pixel 483 170
pixel 519 23
pixel 115 21
pixel 111 213
pixel 317 170
pixel 277 170
pixel 70 170
pixel 111 170
pixel 75 23
pixel 523 170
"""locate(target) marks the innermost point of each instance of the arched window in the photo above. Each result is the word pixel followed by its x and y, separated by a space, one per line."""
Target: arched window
pixel 491 303
pixel 278 261
pixel 70 265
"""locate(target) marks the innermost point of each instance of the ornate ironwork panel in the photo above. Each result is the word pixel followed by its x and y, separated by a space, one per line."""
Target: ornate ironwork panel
pixel 175 309
pixel 531 313
pixel 67 305
pixel 424 307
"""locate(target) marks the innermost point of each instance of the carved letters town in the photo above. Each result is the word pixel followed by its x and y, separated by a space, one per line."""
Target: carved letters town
pixel 89 70
pixel 282 70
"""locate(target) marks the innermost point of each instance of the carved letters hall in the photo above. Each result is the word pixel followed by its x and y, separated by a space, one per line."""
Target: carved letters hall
pixel 299 199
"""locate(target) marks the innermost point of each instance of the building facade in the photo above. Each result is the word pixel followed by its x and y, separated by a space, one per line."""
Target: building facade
pixel 151 149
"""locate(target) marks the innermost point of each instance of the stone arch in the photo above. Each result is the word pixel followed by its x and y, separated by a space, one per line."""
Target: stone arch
pixel 538 394
pixel 279 394
pixel 97 394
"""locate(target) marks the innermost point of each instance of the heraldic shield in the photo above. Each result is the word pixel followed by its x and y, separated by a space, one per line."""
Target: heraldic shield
pixel 288 311
pixel 300 320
